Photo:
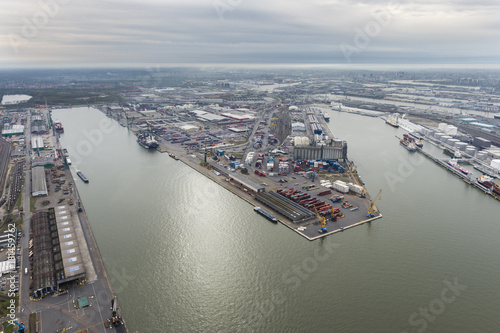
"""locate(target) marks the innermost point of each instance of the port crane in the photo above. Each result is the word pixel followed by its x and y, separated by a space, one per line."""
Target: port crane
pixel 370 212
pixel 323 222
pixel 363 193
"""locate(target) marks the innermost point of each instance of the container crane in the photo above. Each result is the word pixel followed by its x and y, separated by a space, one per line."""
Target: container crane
pixel 370 212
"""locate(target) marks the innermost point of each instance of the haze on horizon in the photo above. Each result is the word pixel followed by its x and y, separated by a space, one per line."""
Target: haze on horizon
pixel 81 33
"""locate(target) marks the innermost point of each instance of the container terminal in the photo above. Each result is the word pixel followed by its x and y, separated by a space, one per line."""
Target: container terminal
pixel 282 159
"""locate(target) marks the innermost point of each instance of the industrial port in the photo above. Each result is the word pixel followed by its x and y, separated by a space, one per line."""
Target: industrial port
pixel 274 145
pixel 284 158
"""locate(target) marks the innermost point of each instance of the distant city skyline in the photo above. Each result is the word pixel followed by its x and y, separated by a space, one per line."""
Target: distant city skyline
pixel 132 33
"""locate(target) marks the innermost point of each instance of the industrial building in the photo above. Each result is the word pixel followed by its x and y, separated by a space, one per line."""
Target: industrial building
pixel 334 150
pixel 55 251
pixel 37 143
pixel 12 130
pixel 38 183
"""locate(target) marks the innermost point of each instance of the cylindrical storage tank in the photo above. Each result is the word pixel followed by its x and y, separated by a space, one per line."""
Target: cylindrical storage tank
pixel 470 151
pixel 471 148
pixel 438 135
pixel 452 142
pixel 460 145
pixel 445 138
pixel 482 155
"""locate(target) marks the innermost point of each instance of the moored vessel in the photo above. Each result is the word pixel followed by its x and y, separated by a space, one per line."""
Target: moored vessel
pixel 489 183
pixel 454 164
pixel 147 141
pixel 82 176
pixel 58 126
pixel 452 153
pixel 408 145
pixel 262 212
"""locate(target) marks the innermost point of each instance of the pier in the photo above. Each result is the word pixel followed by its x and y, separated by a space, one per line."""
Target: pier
pixel 466 178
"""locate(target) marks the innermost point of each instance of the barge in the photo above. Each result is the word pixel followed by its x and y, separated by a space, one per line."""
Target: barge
pixel 262 212
pixel 82 177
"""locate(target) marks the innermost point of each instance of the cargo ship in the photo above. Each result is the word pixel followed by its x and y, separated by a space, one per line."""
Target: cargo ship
pixel 496 116
pixel 266 214
pixel 488 182
pixel 82 176
pixel 416 141
pixel 392 123
pixel 147 141
pixel 326 116
pixel 454 164
pixel 408 145
pixel 452 153
pixel 58 126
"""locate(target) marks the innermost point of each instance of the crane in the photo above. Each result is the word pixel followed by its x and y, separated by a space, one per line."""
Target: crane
pixel 323 222
pixel 363 193
pixel 370 212
pixel 332 215
pixel 20 327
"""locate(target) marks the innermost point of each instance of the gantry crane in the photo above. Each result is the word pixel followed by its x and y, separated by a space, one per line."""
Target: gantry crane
pixel 370 212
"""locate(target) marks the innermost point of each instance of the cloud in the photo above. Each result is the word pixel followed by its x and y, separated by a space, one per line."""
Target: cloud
pixel 90 32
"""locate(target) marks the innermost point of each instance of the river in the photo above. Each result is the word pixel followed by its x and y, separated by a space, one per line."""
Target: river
pixel 186 255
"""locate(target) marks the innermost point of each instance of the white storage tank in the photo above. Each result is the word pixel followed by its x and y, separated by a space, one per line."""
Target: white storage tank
pixel 451 130
pixel 438 135
pixel 482 155
pixel 445 138
pixel 460 145
pixel 471 150
pixel 495 164
pixel 452 142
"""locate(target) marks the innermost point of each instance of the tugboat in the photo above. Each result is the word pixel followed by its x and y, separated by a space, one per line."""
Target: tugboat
pixel 147 141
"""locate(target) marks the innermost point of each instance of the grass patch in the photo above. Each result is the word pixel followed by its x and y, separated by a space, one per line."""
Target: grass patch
pixel 32 322
pixel 8 329
pixel 19 201
pixel 32 203
pixel 4 303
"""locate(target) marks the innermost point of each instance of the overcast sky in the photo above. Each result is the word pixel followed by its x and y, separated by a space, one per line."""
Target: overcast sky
pixel 164 32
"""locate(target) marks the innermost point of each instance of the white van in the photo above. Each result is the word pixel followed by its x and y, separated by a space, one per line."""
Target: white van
pixel 26 271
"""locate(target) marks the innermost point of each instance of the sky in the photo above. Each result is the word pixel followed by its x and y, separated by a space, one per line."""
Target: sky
pixel 123 33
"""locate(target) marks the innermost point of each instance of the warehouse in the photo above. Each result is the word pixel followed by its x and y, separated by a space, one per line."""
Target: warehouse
pixel 38 183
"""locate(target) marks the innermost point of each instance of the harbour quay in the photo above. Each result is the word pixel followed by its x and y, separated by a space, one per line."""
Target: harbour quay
pixel 63 285
pixel 258 155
